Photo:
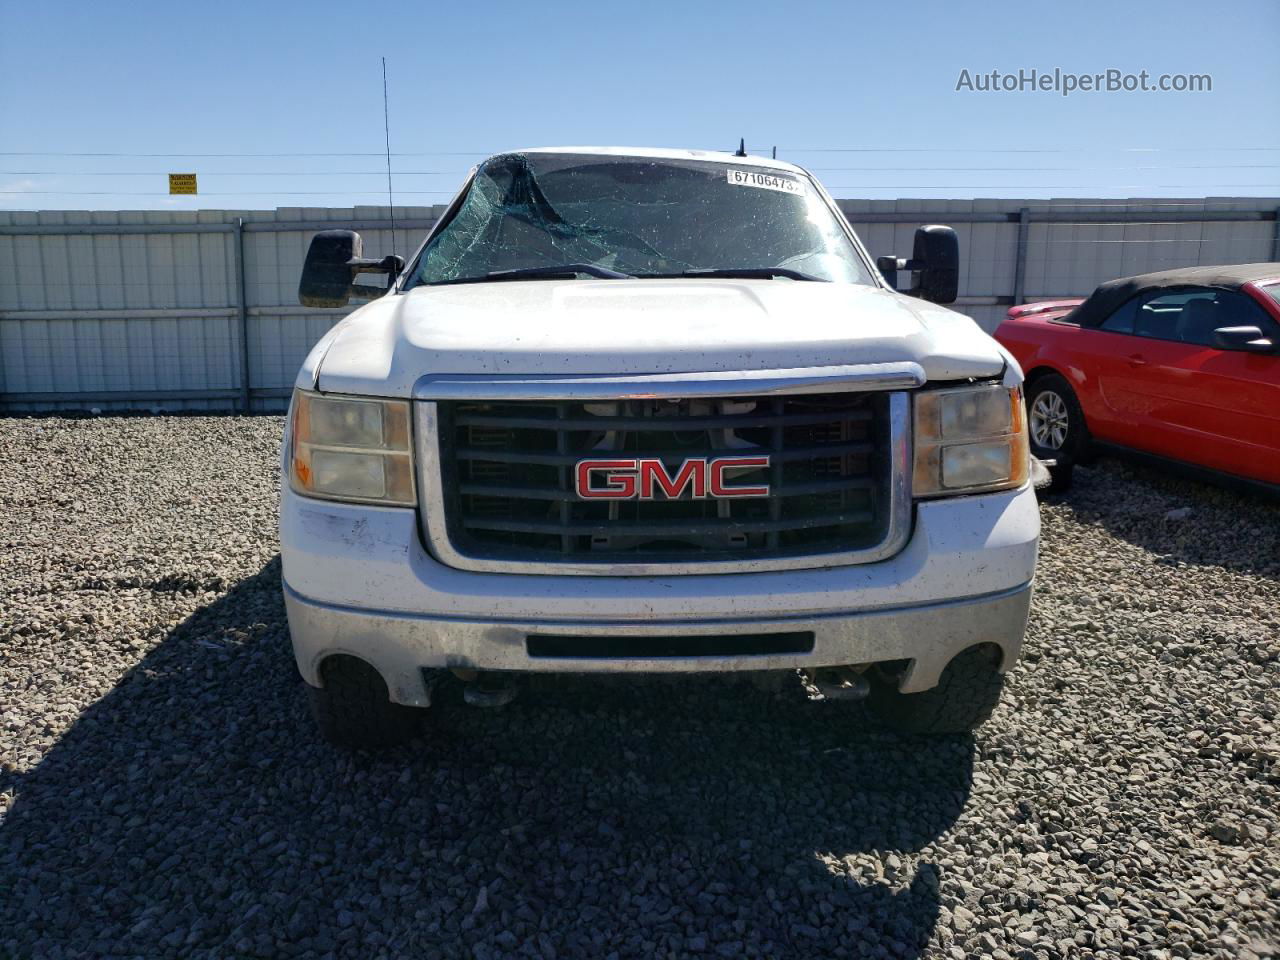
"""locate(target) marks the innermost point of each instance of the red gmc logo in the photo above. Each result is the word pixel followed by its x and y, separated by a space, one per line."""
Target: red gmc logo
pixel 641 478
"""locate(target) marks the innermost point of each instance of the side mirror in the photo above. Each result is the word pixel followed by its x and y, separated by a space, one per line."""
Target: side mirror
pixel 934 263
pixel 334 260
pixel 1248 339
pixel 937 251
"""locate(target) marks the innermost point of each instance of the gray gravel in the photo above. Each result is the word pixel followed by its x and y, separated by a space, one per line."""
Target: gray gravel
pixel 164 793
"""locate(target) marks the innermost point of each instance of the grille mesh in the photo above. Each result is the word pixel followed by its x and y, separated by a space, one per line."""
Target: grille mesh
pixel 508 477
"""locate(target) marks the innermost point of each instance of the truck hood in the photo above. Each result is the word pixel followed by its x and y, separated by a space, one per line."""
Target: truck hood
pixel 638 327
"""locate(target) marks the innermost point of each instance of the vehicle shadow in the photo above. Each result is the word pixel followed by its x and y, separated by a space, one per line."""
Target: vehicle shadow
pixel 192 811
pixel 1180 519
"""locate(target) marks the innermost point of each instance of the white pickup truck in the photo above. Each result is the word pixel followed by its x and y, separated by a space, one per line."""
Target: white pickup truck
pixel 652 411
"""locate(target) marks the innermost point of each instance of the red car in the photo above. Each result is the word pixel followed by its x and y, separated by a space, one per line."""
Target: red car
pixel 1182 365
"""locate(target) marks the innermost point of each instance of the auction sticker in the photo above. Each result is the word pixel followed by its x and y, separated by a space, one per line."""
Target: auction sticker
pixel 765 181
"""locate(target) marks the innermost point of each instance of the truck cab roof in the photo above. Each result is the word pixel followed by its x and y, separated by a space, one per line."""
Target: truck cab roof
pixel 670 153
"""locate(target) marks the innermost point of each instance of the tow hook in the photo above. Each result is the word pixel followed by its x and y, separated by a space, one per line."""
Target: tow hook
pixel 485 689
pixel 839 683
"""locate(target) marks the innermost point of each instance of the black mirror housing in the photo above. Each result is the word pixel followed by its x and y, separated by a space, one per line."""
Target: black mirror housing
pixel 935 258
pixel 334 260
pixel 1249 339
pixel 934 263
pixel 326 277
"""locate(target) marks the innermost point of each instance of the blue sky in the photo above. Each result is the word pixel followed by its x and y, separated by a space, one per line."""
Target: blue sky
pixel 863 94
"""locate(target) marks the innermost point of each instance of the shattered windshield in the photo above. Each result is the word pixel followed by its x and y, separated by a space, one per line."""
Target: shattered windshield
pixel 644 217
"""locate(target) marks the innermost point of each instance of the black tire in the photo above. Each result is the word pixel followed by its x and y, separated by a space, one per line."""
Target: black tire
pixel 1056 427
pixel 354 710
pixel 963 700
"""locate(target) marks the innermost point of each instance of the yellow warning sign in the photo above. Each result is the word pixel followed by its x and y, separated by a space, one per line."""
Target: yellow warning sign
pixel 182 183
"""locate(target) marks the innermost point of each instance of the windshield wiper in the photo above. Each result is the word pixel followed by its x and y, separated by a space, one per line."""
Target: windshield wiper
pixel 565 271
pixel 745 273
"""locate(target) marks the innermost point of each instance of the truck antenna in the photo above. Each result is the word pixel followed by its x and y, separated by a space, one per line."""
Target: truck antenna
pixel 742 147
pixel 386 126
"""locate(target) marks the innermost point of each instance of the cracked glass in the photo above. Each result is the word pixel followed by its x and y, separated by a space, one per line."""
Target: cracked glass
pixel 638 216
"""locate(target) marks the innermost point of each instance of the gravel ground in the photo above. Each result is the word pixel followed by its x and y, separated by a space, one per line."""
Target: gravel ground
pixel 163 791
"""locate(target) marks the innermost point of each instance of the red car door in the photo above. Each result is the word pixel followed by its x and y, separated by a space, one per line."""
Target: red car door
pixel 1193 401
pixel 1238 402
pixel 1245 385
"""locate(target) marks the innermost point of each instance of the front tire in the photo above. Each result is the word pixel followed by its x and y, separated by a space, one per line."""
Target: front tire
pixel 1056 427
pixel 354 710
pixel 967 693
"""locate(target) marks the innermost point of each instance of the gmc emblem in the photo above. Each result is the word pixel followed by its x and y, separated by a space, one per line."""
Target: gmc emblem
pixel 641 478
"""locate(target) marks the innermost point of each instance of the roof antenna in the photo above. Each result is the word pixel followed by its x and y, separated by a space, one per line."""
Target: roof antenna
pixel 742 147
pixel 386 126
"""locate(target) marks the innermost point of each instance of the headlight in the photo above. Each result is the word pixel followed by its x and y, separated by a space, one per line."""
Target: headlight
pixel 969 440
pixel 351 449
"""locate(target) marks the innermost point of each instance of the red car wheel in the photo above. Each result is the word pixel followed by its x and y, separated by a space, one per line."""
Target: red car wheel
pixel 1056 426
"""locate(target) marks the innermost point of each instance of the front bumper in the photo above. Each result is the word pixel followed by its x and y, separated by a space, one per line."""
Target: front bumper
pixel 401 645
pixel 359 581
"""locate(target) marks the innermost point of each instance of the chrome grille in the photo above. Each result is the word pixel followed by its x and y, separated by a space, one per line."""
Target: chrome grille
pixel 504 480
